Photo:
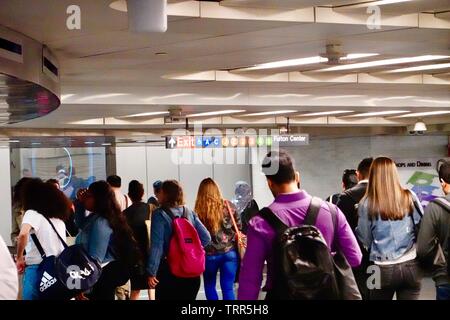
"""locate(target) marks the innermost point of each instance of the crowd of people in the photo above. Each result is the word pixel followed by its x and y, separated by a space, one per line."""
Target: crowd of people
pixel 377 222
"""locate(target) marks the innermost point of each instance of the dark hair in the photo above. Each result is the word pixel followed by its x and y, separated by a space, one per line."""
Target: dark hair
pixel 106 206
pixel 364 167
pixel 349 178
pixel 285 164
pixel 135 191
pixel 443 168
pixel 114 181
pixel 44 198
pixel 17 191
pixel 157 185
pixel 53 181
pixel 173 194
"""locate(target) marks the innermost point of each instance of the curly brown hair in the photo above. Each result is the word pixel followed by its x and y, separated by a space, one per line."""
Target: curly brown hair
pixel 210 205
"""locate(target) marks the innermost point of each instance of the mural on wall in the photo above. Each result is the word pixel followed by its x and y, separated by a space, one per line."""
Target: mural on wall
pixel 421 177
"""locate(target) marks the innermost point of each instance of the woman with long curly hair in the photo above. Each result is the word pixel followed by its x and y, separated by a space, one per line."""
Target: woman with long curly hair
pixel 106 236
pixel 221 253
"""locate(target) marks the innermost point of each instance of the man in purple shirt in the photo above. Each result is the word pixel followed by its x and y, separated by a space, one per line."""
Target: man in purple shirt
pixel 290 205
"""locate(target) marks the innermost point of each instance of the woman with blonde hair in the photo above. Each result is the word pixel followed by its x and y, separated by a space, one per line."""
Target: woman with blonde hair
pixel 389 216
pixel 221 253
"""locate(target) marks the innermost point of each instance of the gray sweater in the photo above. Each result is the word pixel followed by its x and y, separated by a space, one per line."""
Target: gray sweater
pixel 434 234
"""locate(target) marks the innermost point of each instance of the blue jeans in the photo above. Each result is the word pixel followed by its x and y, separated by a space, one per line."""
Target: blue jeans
pixel 30 283
pixel 443 292
pixel 227 263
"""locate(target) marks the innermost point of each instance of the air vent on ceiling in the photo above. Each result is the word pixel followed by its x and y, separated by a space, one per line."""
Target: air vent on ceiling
pixel 11 50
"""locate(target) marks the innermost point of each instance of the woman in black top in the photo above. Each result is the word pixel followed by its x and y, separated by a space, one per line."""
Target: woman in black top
pixel 138 215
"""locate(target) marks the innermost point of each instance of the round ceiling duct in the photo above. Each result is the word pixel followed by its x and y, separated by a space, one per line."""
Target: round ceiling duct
pixel 29 78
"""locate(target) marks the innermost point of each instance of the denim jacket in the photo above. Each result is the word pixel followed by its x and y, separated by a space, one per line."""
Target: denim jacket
pixel 387 240
pixel 95 235
pixel 162 231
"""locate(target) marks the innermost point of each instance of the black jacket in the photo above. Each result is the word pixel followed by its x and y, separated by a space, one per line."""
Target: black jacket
pixel 434 234
pixel 348 202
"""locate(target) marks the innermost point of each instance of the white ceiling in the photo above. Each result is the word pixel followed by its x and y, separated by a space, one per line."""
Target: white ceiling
pixel 103 59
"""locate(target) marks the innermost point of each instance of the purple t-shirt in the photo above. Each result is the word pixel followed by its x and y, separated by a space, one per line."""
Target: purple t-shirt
pixel 291 209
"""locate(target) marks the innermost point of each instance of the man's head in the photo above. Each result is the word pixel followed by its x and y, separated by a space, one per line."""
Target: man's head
pixel 135 191
pixel 279 169
pixel 349 179
pixel 363 169
pixel 114 181
pixel 443 168
pixel 157 187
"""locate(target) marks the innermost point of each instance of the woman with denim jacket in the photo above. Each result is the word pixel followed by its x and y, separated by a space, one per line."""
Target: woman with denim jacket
pixel 389 216
pixel 106 236
pixel 167 285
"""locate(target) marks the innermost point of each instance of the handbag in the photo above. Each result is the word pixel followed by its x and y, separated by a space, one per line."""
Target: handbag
pixel 345 280
pixel 65 276
pixel 241 239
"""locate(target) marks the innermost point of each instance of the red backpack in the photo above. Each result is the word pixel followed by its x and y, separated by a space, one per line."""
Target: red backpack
pixel 186 255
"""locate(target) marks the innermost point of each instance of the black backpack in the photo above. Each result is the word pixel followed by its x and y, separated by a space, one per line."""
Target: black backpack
pixel 305 269
pixel 445 204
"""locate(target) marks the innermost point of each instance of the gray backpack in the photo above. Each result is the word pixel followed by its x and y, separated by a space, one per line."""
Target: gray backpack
pixel 445 204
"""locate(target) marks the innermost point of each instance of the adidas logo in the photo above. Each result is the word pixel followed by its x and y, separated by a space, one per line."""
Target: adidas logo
pixel 46 282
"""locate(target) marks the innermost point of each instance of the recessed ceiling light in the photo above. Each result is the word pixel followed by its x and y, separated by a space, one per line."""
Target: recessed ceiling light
pixel 384 62
pixel 89 142
pixel 324 113
pixel 214 113
pixel 424 114
pixel 14 141
pixel 421 68
pixel 106 144
pixel 302 61
pixel 269 113
pixel 141 141
pixel 376 114
pixel 146 114
pixel 35 143
pixel 119 5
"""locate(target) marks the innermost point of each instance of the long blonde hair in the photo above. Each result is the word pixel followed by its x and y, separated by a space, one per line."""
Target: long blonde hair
pixel 210 205
pixel 386 197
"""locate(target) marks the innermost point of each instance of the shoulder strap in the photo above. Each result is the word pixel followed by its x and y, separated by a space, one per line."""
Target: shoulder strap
pixel 59 237
pixel 273 220
pixel 169 213
pixel 313 211
pixel 333 213
pixel 442 202
pixel 38 245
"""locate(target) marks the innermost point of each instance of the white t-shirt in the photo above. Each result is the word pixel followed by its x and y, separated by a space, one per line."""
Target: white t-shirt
pixel 122 199
pixel 46 235
pixel 9 284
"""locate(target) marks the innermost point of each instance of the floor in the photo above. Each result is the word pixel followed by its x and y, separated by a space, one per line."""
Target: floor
pixel 428 291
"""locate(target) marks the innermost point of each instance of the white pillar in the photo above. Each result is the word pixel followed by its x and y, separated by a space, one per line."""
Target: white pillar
pixel 5 196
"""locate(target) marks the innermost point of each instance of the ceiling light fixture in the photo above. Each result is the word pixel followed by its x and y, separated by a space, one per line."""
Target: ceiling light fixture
pixel 89 142
pixel 421 68
pixel 106 144
pixel 324 113
pixel 424 114
pixel 146 114
pixel 269 113
pixel 385 62
pixel 214 113
pixel 302 61
pixel 376 114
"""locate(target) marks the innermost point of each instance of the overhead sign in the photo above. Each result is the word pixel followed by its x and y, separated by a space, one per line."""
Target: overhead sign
pixel 199 142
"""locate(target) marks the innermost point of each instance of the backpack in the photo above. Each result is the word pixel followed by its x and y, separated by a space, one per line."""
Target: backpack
pixel 445 204
pixel 65 276
pixel 186 256
pixel 305 269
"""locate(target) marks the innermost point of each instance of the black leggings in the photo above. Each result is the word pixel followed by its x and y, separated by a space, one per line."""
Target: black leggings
pixel 174 288
pixel 114 275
